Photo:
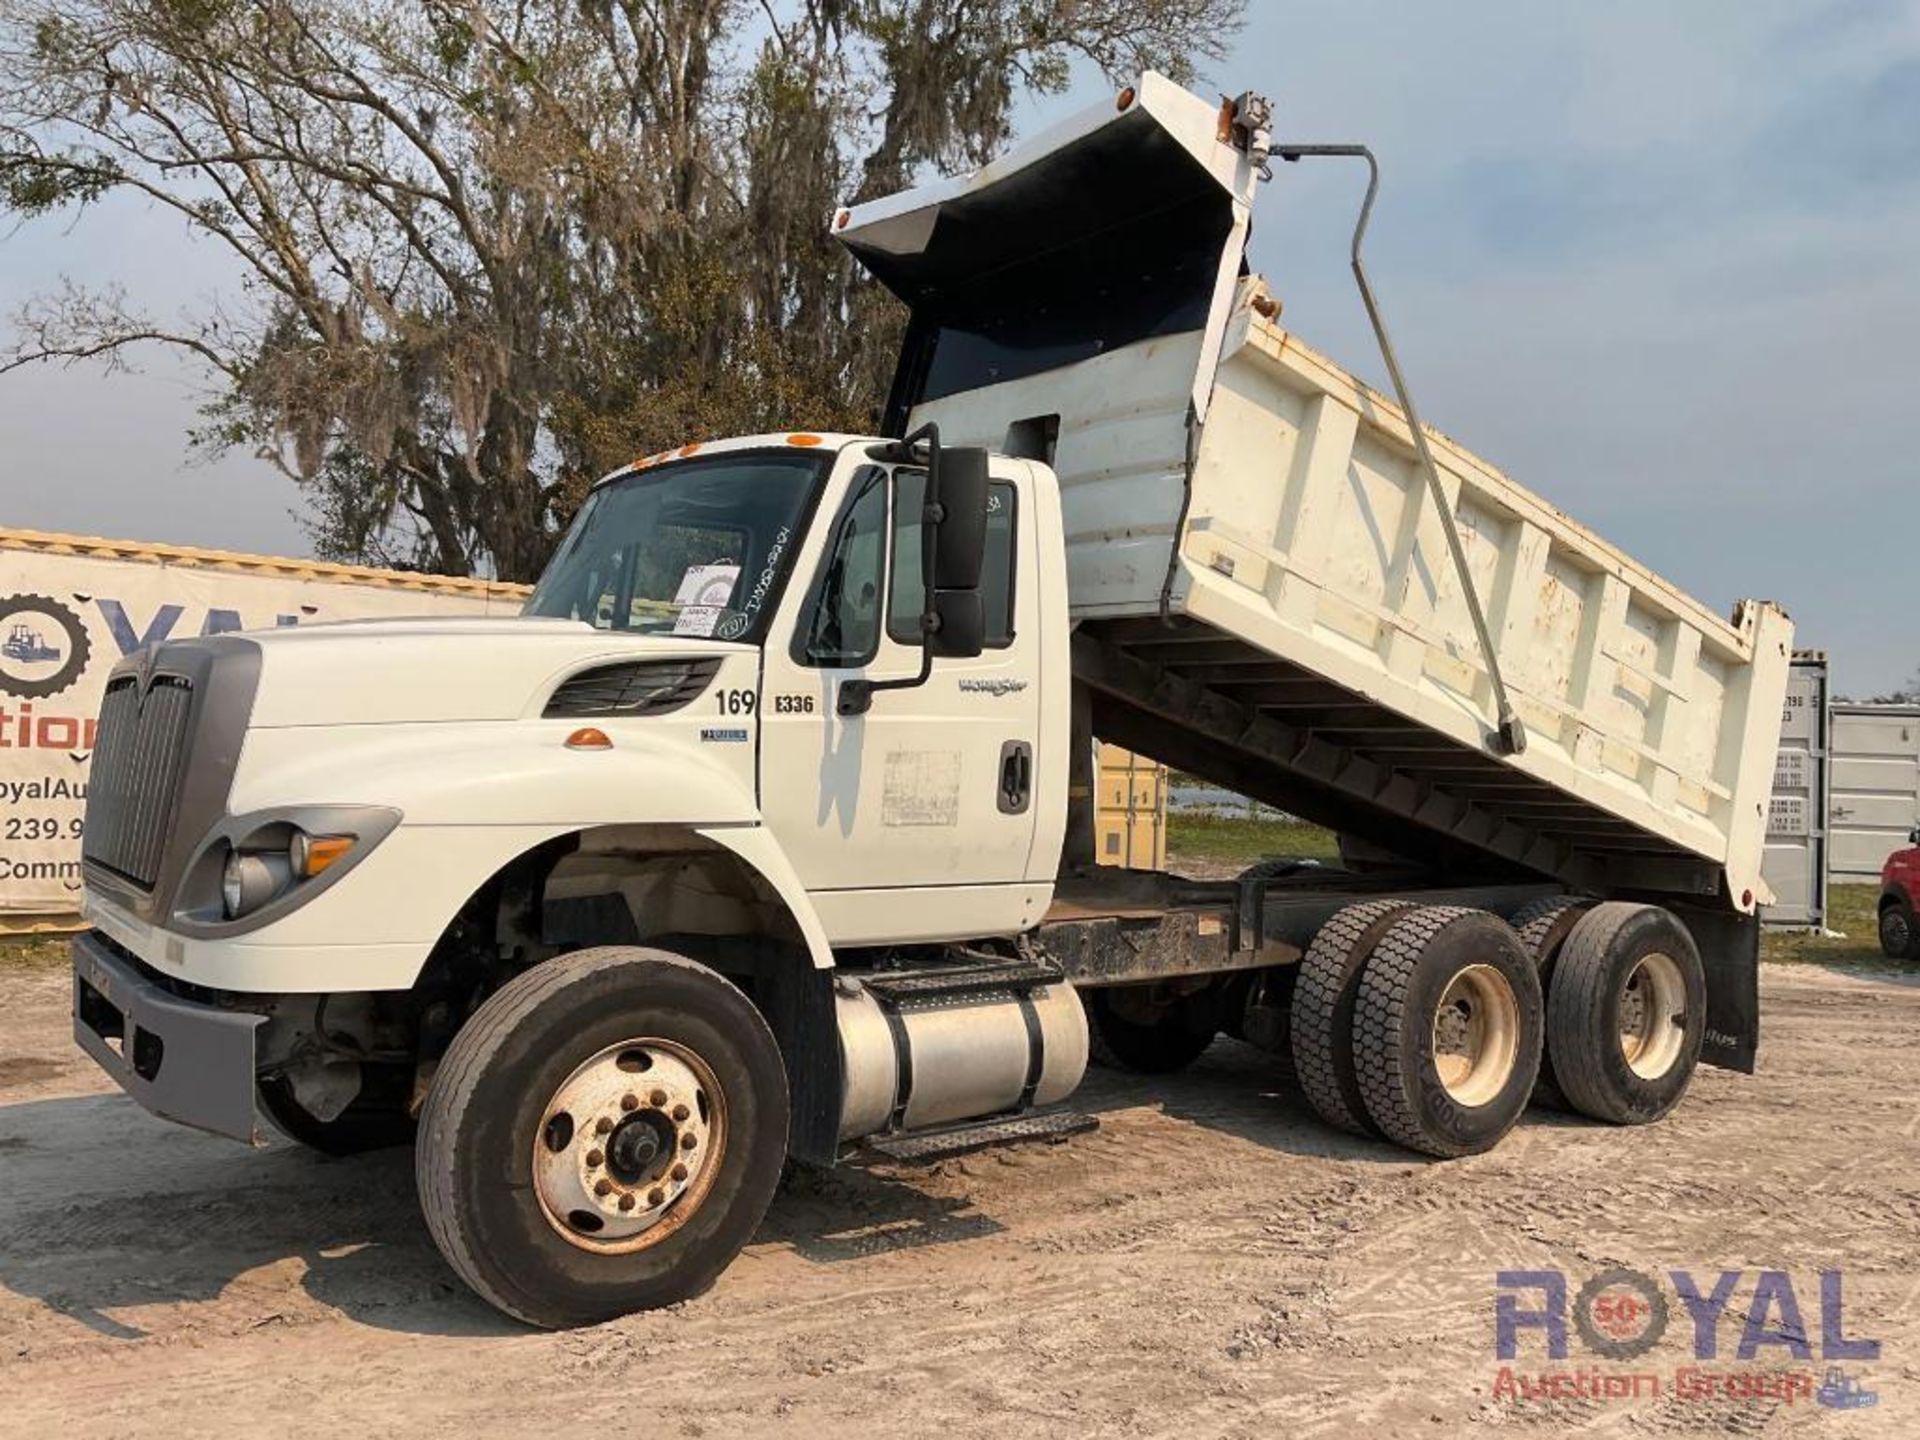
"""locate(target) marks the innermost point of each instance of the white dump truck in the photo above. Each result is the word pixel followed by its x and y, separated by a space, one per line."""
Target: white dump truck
pixel 766 833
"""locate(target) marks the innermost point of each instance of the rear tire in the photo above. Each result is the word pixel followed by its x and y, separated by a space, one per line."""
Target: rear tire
pixel 1543 927
pixel 1899 934
pixel 1129 1027
pixel 509 1174
pixel 1321 1025
pixel 1626 1013
pixel 1447 1031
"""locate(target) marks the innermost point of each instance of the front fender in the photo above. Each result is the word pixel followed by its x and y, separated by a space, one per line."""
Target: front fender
pixel 473 798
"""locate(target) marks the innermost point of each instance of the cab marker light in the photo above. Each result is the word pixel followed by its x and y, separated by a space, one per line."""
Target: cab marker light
pixel 589 737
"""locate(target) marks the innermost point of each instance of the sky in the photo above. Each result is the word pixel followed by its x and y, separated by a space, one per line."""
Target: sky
pixel 1659 262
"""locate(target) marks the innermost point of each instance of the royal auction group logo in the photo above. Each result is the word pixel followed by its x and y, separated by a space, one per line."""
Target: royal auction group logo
pixel 1620 1317
pixel 43 646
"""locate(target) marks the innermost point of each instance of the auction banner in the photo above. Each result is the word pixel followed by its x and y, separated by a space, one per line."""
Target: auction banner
pixel 71 608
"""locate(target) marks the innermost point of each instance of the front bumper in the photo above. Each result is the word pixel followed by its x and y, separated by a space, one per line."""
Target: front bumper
pixel 182 1059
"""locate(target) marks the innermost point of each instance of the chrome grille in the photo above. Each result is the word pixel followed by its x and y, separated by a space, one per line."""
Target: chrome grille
pixel 139 760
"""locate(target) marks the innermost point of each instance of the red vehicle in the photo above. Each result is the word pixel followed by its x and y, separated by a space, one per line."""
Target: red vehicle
pixel 1899 895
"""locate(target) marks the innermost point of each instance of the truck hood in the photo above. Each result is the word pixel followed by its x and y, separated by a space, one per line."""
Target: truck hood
pixel 372 672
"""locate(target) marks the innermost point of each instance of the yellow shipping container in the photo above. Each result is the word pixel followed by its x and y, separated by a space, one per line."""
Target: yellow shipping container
pixel 1131 821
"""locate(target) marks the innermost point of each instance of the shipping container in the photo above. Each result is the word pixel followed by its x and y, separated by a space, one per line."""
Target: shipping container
pixel 72 606
pixel 1796 864
pixel 1875 789
pixel 1131 824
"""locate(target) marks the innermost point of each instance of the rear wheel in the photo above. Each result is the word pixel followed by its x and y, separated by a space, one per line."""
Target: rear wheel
pixel 1543 927
pixel 1150 1029
pixel 1322 1020
pixel 1447 1031
pixel 1626 1013
pixel 602 1136
pixel 1899 935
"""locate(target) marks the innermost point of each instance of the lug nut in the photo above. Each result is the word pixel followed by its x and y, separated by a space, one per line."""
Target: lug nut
pixel 629 1102
pixel 656 1196
pixel 594 1157
pixel 626 1202
pixel 679 1172
pixel 658 1097
pixel 603 1126
pixel 603 1187
pixel 680 1112
pixel 688 1141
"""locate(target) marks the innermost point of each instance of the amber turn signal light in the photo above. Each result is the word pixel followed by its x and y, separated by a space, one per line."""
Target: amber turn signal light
pixel 311 854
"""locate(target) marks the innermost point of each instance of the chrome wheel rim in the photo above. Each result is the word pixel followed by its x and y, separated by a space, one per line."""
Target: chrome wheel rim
pixel 1653 1016
pixel 629 1146
pixel 1476 1035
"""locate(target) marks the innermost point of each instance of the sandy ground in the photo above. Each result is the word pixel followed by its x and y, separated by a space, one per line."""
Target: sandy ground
pixel 1212 1261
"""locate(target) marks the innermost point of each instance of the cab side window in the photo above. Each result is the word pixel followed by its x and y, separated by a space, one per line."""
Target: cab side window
pixel 907 593
pixel 844 624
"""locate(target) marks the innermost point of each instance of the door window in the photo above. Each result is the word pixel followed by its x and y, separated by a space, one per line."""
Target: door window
pixel 907 594
pixel 844 629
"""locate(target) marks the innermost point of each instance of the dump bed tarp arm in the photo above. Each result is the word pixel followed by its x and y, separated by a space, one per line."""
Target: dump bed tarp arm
pixel 1510 738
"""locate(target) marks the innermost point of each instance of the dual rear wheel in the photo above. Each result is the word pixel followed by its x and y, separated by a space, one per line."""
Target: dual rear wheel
pixel 1431 1026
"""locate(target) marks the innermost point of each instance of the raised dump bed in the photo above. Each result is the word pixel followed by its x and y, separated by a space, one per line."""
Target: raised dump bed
pixel 1256 556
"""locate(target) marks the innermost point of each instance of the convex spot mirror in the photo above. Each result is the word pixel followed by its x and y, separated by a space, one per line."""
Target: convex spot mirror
pixel 961 631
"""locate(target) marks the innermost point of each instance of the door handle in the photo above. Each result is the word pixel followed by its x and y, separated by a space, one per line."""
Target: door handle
pixel 1016 777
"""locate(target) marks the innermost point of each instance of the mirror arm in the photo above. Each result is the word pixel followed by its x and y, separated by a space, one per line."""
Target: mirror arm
pixel 855 697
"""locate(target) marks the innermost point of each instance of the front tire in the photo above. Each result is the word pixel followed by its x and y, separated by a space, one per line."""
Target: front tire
pixel 363 1126
pixel 603 1136
pixel 1899 934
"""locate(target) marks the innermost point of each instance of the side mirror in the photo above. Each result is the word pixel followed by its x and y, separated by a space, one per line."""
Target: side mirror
pixel 960 542
pixel 960 628
pixel 1913 836
pixel 953 555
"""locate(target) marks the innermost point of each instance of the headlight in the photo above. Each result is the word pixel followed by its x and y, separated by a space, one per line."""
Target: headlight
pixel 253 877
pixel 255 867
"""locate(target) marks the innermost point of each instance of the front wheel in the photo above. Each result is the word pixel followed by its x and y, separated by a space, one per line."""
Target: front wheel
pixel 364 1125
pixel 1899 936
pixel 603 1136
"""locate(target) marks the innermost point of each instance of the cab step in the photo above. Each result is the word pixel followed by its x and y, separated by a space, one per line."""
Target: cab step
pixel 923 1147
pixel 934 983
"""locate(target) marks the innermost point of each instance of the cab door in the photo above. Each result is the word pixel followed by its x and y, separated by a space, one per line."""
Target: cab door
pixel 932 789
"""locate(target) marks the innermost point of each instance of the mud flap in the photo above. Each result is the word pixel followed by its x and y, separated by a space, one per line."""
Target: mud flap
pixel 1730 955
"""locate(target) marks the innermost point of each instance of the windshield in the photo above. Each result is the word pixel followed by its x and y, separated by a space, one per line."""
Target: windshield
pixel 698 547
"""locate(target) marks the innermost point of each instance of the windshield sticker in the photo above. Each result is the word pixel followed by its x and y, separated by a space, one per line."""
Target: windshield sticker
pixel 733 627
pixel 707 586
pixel 696 620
